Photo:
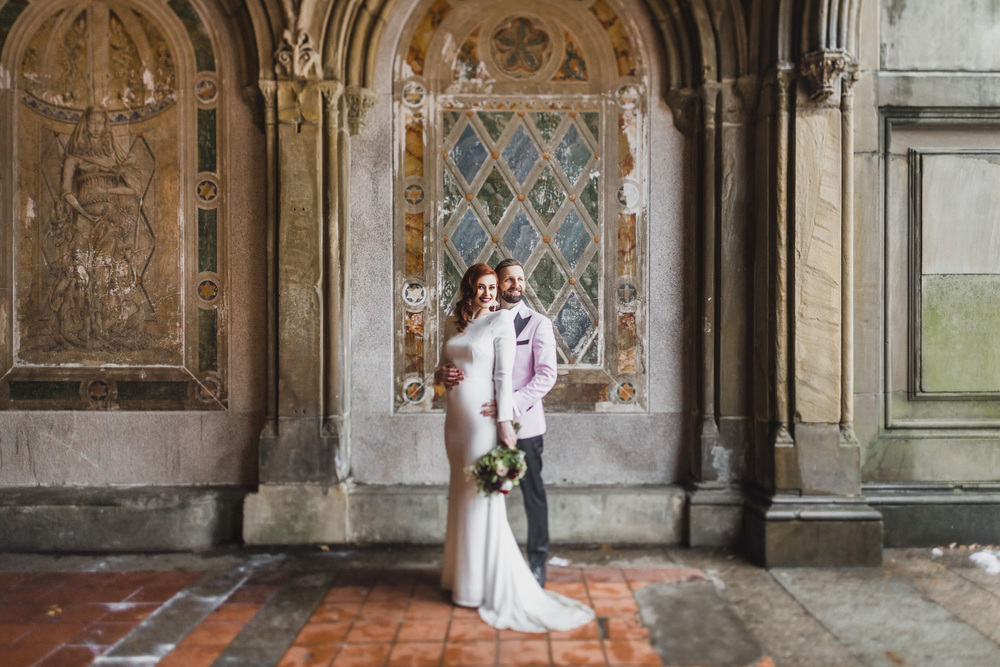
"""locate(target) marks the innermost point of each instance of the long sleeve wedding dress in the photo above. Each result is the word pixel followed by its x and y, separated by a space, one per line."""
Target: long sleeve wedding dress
pixel 483 566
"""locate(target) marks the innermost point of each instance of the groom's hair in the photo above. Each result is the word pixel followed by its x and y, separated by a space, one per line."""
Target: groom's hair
pixel 504 263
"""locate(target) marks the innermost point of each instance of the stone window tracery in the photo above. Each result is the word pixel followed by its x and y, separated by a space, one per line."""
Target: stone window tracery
pixel 525 140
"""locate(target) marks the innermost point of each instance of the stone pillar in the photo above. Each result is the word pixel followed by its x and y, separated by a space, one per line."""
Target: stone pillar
pixel 813 512
pixel 301 498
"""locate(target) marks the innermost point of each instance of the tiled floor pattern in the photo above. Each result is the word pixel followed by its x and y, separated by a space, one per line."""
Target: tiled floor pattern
pixel 367 618
pixel 65 619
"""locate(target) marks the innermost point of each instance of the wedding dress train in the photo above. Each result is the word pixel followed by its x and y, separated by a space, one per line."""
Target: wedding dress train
pixel 483 566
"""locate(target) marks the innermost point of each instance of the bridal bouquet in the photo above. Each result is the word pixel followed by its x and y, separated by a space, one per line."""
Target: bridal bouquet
pixel 499 470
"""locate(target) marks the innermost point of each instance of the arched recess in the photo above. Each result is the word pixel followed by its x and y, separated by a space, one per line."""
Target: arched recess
pixel 115 207
pixel 523 134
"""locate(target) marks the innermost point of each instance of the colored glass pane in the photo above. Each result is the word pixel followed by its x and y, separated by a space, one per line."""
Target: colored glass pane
pixel 592 120
pixel 547 123
pixel 573 238
pixel 452 197
pixel 572 154
pixel 521 154
pixel 590 280
pixel 573 322
pixel 469 154
pixel 449 286
pixel 589 196
pixel 495 196
pixel 546 280
pixel 546 195
pixel 521 237
pixel 469 238
pixel 495 122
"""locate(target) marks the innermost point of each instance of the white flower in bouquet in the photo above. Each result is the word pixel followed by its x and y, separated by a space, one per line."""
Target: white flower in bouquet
pixel 501 469
pixel 507 485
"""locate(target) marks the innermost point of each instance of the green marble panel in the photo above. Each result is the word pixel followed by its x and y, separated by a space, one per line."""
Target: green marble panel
pixel 43 390
pixel 203 54
pixel 495 196
pixel 208 340
pixel 960 333
pixel 590 356
pixel 448 122
pixel 547 195
pixel 8 14
pixel 208 257
pixel 206 140
pixel 152 391
pixel 452 197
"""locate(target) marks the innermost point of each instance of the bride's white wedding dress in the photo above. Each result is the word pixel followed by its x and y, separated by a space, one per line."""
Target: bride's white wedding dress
pixel 483 566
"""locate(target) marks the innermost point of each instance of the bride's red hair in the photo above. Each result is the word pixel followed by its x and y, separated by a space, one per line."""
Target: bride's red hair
pixel 463 309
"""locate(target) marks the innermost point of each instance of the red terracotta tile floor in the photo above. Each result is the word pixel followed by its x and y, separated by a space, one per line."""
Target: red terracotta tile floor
pixel 67 619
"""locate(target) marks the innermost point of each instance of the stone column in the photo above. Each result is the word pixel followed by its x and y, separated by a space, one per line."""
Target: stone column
pixel 301 498
pixel 815 514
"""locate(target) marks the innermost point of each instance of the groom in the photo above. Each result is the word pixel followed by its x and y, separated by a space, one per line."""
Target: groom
pixel 534 376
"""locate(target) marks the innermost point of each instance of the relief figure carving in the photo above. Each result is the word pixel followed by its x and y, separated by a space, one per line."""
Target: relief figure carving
pixel 94 241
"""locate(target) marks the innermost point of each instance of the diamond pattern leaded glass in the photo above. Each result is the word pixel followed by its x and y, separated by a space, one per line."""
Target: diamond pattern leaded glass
pixel 521 238
pixel 572 238
pixel 521 154
pixel 469 154
pixel 573 322
pixel 497 154
pixel 469 238
pixel 572 154
pixel 495 196
pixel 547 195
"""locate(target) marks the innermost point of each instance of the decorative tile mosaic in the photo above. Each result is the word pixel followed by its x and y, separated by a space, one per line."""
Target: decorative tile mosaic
pixel 206 91
pixel 574 66
pixel 98 390
pixel 627 340
pixel 207 191
pixel 422 36
pixel 626 244
pixel 618 37
pixel 414 323
pixel 413 160
pixel 414 234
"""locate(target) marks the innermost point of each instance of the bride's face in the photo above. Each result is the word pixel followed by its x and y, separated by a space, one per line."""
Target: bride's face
pixel 486 291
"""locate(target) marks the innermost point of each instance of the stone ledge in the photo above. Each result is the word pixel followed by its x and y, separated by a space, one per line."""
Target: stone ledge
pixel 925 515
pixel 137 519
pixel 369 514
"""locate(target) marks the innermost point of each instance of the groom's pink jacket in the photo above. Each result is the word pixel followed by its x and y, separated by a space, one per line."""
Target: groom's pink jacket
pixel 534 369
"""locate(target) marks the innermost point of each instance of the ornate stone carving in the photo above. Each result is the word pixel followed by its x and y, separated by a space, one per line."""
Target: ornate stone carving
pixel 822 70
pixel 359 103
pixel 295 58
pixel 520 47
pixel 331 91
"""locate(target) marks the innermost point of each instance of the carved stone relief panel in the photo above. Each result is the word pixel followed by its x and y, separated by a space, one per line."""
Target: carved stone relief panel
pixel 116 209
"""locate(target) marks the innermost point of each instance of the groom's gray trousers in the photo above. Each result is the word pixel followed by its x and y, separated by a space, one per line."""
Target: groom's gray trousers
pixel 536 506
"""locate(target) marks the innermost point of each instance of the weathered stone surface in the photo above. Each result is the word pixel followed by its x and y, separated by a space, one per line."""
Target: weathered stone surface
pixel 963 40
pixel 817 267
pixel 824 465
pixel 960 333
pixel 869 264
pixel 296 514
pixel 715 516
pixel 108 519
pixel 690 623
pixel 923 457
pixel 920 631
pixel 577 515
pixel 960 231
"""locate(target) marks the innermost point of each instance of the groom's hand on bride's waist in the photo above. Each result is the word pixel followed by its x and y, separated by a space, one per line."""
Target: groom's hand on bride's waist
pixel 449 375
pixel 489 409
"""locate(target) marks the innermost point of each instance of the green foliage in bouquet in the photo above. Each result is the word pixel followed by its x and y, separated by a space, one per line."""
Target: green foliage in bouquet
pixel 499 470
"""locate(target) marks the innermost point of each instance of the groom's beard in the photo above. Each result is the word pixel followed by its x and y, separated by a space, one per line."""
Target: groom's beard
pixel 511 298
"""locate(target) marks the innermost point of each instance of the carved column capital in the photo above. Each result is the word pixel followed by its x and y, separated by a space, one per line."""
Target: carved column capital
pixel 331 91
pixel 268 90
pixel 684 105
pixel 359 103
pixel 822 70
pixel 295 58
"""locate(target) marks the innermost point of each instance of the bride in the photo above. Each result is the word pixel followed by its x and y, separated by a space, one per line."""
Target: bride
pixel 483 566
